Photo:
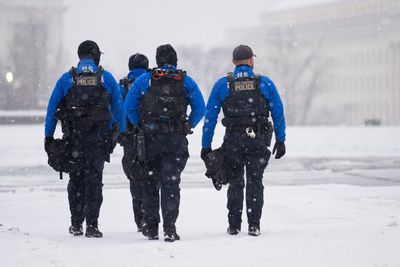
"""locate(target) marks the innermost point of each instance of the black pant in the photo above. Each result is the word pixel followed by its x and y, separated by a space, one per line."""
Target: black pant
pixel 137 193
pixel 85 186
pixel 167 156
pixel 241 152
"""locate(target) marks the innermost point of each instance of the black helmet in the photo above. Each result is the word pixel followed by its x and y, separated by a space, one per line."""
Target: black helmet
pixel 138 61
pixel 166 54
pixel 89 50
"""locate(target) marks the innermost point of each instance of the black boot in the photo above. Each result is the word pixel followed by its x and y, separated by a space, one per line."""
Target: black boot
pixel 76 229
pixel 93 231
pixel 170 234
pixel 254 229
pixel 150 231
pixel 233 230
pixel 140 227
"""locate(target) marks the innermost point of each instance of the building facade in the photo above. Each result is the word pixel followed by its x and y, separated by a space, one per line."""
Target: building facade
pixel 336 62
pixel 30 49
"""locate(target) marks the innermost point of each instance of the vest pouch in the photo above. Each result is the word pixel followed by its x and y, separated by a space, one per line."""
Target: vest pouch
pixel 168 104
pixel 141 146
pixel 165 108
pixel 130 145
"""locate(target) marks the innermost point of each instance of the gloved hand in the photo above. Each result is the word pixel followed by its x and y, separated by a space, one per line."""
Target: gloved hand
pixel 47 142
pixel 187 128
pixel 217 184
pixel 204 153
pixel 280 149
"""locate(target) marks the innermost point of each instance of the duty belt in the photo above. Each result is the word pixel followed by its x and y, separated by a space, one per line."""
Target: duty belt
pixel 165 127
pixel 250 130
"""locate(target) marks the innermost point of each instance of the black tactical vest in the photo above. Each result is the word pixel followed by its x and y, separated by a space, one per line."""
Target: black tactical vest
pixel 245 106
pixel 166 100
pixel 87 103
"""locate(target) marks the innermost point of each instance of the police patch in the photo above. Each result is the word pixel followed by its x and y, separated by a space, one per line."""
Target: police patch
pixel 86 81
pixel 244 85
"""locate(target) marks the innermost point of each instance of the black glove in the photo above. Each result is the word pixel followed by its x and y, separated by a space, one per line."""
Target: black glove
pixel 47 143
pixel 204 153
pixel 280 149
pixel 187 128
pixel 217 184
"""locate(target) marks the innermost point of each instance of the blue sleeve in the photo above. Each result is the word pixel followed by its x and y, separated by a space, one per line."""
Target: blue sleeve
pixel 56 97
pixel 213 108
pixel 268 89
pixel 113 119
pixel 132 101
pixel 117 104
pixel 196 101
pixel 121 90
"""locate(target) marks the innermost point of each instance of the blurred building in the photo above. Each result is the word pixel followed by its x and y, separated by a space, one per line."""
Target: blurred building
pixel 30 48
pixel 336 62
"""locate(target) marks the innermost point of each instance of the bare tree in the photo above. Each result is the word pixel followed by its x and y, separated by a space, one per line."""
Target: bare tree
pixel 299 68
pixel 206 66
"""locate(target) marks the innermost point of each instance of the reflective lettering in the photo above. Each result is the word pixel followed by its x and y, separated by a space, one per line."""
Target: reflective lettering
pixel 86 81
pixel 244 85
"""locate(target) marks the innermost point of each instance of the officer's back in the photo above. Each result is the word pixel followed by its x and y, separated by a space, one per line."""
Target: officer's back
pixel 84 100
pixel 247 99
pixel 157 104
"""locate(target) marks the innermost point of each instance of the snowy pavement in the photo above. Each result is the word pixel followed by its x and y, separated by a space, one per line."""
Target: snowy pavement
pixel 325 225
pixel 333 201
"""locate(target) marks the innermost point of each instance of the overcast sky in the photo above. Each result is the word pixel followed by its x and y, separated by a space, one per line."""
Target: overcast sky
pixel 123 27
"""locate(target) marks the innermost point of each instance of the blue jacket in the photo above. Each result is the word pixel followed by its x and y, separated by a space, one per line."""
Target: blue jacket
pixel 220 92
pixel 133 74
pixel 66 82
pixel 142 85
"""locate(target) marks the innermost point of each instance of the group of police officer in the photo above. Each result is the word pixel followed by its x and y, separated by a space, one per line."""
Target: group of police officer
pixel 147 114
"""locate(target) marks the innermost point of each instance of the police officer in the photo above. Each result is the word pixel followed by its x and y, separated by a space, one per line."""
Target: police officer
pixel 138 64
pixel 85 98
pixel 157 103
pixel 246 99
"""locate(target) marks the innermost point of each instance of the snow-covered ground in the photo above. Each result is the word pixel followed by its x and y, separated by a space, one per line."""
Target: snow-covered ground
pixel 334 200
